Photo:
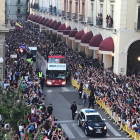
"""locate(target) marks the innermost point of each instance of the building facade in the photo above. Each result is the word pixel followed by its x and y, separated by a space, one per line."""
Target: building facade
pixel 16 9
pixel 106 29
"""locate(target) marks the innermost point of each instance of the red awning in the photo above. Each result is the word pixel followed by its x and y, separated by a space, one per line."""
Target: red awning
pixel 37 20
pixel 95 41
pixel 87 37
pixel 67 30
pixel 107 46
pixel 56 26
pixel 61 27
pixel 48 23
pixel 45 21
pixel 34 19
pixel 41 20
pixel 79 35
pixel 73 32
pixel 52 24
pixel 30 16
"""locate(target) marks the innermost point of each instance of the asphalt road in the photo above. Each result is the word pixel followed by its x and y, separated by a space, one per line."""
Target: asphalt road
pixel 61 99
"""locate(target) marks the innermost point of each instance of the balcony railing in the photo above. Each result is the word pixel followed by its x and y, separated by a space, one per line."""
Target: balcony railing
pixel 63 14
pixel 137 26
pixel 101 0
pixel 90 20
pixel 112 0
pixel 35 6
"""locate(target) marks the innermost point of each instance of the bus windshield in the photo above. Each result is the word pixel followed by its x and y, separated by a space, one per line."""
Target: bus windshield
pixel 56 60
pixel 52 74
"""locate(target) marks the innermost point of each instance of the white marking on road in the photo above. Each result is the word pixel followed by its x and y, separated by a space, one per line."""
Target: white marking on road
pixel 111 139
pixel 112 129
pixel 67 131
pixel 69 121
pixel 107 135
pixel 49 90
pixel 79 131
pixel 64 89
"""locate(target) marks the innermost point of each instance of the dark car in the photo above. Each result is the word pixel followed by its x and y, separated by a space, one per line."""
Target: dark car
pixel 92 123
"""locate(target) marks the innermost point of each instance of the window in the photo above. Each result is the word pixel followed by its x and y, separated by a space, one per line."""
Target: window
pixel 18 1
pixel 82 115
pixel 101 8
pixel 138 24
pixel 112 11
pixel 94 118
pixel 92 10
pixel 18 10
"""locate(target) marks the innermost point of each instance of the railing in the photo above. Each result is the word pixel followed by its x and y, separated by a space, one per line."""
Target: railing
pixel 101 0
pixel 112 115
pixel 63 14
pixel 137 26
pixel 112 0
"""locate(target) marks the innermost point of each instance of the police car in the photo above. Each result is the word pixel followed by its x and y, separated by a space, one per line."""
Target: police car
pixel 92 122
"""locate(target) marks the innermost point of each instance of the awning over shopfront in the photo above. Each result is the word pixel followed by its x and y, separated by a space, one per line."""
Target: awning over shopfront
pixel 86 38
pixel 66 31
pixel 34 19
pixel 48 23
pixel 106 46
pixel 56 26
pixel 95 42
pixel 37 20
pixel 79 35
pixel 61 28
pixel 45 21
pixel 41 20
pixel 52 24
pixel 29 17
pixel 72 34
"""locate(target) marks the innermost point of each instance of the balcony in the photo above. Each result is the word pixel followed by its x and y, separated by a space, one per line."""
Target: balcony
pixel 137 26
pixel 90 20
pixel 112 0
pixel 19 3
pixel 59 13
pixel 109 22
pixel 63 14
pixel 101 0
pixel 99 20
pixel 68 14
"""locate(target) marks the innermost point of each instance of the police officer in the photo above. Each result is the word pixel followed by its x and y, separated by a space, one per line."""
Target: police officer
pixel 40 74
pixel 42 82
pixel 91 100
pixel 80 90
pixel 73 109
pixel 50 109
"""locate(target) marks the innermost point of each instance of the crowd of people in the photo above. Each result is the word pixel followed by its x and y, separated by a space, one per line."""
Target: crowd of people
pixel 99 19
pixel 20 74
pixel 120 93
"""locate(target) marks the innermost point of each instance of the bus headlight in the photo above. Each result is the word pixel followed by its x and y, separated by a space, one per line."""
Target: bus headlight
pixel 63 83
pixel 49 83
pixel 105 128
pixel 90 128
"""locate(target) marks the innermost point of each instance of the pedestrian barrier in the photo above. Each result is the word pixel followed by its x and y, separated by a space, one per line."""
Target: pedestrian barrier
pixel 113 115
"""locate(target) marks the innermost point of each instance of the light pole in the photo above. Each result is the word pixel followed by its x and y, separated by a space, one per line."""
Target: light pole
pixel 1 68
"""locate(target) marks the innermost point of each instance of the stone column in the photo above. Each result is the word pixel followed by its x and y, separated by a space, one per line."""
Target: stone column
pixel 107 60
pixel 120 67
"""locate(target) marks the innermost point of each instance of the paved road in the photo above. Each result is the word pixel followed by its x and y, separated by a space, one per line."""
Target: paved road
pixel 62 98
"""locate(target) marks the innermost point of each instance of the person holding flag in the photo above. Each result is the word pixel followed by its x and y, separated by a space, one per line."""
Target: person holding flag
pixel 18 26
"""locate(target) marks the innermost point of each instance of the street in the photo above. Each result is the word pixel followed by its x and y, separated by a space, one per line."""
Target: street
pixel 61 99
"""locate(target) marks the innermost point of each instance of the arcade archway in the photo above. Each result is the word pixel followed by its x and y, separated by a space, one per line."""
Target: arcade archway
pixel 133 58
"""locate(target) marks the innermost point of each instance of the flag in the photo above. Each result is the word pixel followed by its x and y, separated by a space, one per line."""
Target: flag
pixel 18 26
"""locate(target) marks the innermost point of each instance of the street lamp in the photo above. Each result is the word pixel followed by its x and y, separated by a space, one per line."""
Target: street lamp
pixel 112 54
pixel 139 58
pixel 1 60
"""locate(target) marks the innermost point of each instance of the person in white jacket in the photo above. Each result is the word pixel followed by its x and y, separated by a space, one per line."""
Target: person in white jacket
pixel 84 97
